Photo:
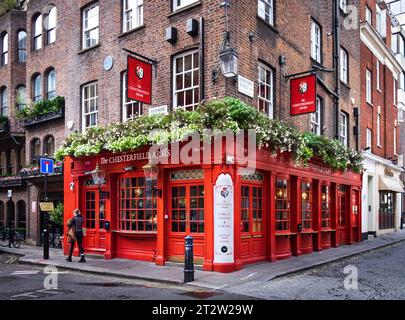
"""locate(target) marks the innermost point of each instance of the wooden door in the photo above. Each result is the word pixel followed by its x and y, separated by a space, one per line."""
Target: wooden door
pixel 93 210
pixel 186 216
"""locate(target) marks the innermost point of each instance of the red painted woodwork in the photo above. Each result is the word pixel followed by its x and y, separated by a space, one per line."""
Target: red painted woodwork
pixel 269 233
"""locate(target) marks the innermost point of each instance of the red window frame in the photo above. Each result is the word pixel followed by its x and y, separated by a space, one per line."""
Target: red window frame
pixel 282 204
pixel 306 205
pixel 136 210
pixel 252 208
pixel 325 206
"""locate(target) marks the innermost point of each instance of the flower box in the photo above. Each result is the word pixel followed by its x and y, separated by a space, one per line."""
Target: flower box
pixel 12 181
pixel 43 118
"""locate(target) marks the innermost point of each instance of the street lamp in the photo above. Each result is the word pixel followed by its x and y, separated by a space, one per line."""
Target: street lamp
pixel 98 176
pixel 151 172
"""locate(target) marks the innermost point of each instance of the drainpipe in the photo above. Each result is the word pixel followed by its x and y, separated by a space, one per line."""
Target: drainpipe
pixel 336 52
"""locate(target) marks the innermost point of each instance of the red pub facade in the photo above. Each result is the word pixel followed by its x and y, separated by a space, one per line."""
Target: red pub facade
pixel 235 216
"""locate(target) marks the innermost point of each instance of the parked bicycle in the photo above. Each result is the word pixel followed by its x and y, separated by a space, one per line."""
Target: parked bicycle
pixel 9 236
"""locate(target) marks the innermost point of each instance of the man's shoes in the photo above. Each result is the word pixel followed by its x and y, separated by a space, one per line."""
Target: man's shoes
pixel 69 259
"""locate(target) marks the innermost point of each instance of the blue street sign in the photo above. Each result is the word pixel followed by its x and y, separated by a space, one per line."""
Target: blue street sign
pixel 46 166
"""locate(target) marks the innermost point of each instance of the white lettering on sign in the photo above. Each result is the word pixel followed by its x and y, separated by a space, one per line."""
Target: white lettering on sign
pixel 158 110
pixel 223 219
pixel 164 153
pixel 246 86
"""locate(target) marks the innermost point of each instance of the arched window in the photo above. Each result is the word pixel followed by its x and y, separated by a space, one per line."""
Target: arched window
pixel 2 215
pixel 35 150
pixel 36 88
pixel 51 25
pixel 22 46
pixel 21 222
pixel 37 32
pixel 3 101
pixel 4 49
pixel 51 84
pixel 21 97
pixel 49 146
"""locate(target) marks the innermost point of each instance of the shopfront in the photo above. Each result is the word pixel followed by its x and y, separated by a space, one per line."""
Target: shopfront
pixel 235 216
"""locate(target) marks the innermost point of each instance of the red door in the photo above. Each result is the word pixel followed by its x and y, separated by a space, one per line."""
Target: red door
pixel 93 210
pixel 186 216
pixel 342 217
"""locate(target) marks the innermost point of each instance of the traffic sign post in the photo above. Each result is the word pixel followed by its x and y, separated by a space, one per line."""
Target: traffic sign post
pixel 46 167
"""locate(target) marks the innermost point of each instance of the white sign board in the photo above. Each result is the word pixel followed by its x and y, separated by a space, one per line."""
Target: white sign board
pixel 223 219
pixel 9 193
pixel 246 86
pixel 157 110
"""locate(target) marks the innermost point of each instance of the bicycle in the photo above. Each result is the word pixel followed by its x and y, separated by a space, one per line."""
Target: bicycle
pixel 11 236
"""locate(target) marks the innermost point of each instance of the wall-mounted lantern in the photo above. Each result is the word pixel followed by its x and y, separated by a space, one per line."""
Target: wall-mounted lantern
pixel 151 172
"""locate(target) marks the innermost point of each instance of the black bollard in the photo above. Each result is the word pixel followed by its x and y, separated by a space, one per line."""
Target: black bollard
pixel 188 260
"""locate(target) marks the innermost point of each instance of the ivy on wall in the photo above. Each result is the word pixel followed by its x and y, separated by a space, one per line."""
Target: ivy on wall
pixel 219 116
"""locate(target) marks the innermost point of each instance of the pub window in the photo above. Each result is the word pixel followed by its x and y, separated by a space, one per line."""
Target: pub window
pixel 306 205
pixel 36 88
pixel 131 109
pixel 89 105
pixel 4 49
pixel 197 209
pixel 282 204
pixel 178 4
pixel 51 26
pixel 266 11
pixel 22 46
pixel 265 90
pixel 137 211
pixel 37 33
pixel 132 14
pixel 3 102
pixel 51 84
pixel 325 207
pixel 186 79
pixel 90 26
pixel 251 209
pixel 316 118
pixel 21 98
pixel 316 41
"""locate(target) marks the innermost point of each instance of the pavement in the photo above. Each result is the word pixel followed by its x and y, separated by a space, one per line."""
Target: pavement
pixel 212 280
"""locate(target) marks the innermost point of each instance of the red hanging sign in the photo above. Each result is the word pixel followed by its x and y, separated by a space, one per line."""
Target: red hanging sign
pixel 139 80
pixel 303 95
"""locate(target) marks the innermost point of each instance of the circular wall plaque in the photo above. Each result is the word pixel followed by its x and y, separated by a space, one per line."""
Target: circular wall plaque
pixel 108 63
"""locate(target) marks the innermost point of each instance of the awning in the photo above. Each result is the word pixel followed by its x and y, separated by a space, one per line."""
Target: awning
pixel 391 184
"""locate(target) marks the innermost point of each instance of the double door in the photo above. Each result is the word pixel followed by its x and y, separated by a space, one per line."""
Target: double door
pixel 342 216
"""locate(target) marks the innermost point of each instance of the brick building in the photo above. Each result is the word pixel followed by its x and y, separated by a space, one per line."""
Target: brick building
pixel 81 58
pixel 380 78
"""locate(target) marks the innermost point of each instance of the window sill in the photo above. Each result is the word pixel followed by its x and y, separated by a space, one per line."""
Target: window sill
pixel 379 146
pixel 379 90
pixel 136 234
pixel 308 231
pixel 287 233
pixel 271 26
pixel 328 230
pixel 317 62
pixel 370 104
pixel 345 84
pixel 123 34
pixel 180 10
pixel 89 49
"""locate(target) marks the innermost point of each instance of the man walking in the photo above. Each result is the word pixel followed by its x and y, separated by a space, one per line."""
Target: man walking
pixel 77 225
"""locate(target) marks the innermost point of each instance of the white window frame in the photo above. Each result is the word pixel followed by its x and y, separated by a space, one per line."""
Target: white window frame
pixel 22 46
pixel 37 40
pixel 316 117
pixel 132 14
pixel 4 101
pixel 129 103
pixel 368 86
pixel 369 139
pixel 4 49
pixel 193 87
pixel 21 97
pixel 87 31
pixel 265 10
pixel 343 5
pixel 344 66
pixel 51 21
pixel 395 140
pixel 378 129
pixel 395 91
pixel 378 75
pixel 179 4
pixel 51 85
pixel 343 128
pixel 316 41
pixel 369 16
pixel 90 113
pixel 37 88
pixel 268 101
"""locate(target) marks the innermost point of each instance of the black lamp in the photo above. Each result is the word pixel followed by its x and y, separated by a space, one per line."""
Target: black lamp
pixel 151 172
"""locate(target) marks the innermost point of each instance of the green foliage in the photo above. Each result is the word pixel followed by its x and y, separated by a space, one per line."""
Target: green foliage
pixel 56 216
pixel 41 108
pixel 7 5
pixel 218 116
pixel 3 119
